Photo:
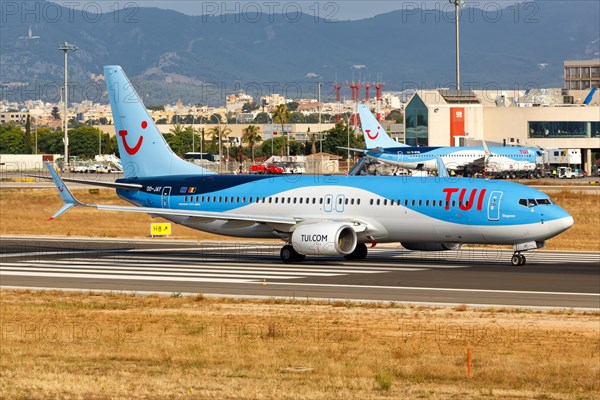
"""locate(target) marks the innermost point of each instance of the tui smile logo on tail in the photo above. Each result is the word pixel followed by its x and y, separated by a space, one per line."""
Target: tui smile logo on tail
pixel 132 150
pixel 372 137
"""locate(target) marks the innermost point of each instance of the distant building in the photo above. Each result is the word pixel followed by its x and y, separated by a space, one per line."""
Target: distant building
pixel 15 117
pixel 547 118
pixel 582 74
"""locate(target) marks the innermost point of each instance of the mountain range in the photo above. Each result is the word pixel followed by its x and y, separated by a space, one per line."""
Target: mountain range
pixel 202 58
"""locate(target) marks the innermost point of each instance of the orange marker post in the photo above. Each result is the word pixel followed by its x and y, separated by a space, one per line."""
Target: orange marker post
pixel 468 363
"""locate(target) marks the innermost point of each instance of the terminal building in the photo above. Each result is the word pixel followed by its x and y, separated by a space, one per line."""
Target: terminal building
pixel 545 118
pixel 582 74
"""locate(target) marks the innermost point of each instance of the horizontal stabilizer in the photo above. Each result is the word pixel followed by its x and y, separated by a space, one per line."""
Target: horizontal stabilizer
pixel 63 191
pixel 352 149
pixel 114 185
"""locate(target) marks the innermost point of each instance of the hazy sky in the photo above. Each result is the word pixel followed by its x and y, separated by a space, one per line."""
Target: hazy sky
pixel 337 10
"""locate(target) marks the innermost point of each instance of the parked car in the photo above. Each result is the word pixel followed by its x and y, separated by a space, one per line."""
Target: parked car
pixel 265 169
pixel 568 173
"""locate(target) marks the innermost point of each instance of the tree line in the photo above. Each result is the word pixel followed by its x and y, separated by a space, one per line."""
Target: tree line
pixel 87 141
pixel 184 138
pixel 84 141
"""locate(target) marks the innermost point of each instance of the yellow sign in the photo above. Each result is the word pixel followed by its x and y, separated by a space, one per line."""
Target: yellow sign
pixel 160 229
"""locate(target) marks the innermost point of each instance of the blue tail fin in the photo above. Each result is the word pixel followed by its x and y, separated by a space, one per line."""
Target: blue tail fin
pixel 143 150
pixel 375 135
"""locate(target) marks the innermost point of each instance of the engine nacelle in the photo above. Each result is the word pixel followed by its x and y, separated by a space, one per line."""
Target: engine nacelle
pixel 324 239
pixel 431 246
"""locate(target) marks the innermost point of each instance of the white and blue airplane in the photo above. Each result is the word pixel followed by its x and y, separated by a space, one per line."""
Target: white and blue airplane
pixel 317 215
pixel 466 160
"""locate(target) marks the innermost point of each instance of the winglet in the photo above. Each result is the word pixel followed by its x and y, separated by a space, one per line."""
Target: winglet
pixel 441 167
pixel 487 153
pixel 64 192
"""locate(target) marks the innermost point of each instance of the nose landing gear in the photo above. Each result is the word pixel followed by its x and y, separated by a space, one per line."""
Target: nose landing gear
pixel 518 259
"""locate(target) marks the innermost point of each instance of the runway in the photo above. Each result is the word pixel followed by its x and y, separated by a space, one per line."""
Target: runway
pixel 245 269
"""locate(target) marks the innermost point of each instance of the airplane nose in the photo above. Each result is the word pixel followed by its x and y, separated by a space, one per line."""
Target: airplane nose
pixel 561 225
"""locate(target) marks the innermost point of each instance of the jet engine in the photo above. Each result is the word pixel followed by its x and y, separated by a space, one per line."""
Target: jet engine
pixel 324 239
pixel 430 246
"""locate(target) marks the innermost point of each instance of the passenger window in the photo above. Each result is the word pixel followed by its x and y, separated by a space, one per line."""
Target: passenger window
pixel 220 199
pixel 453 203
pixel 427 203
pixel 371 202
pixel 378 201
pixel 405 203
pixel 385 202
pixel 300 200
pixel 329 200
pixel 351 201
pixel 420 202
pixel 413 203
pixel 358 202
pixel 321 200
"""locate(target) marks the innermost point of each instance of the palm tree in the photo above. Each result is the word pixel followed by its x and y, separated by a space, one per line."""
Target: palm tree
pixel 251 134
pixel 219 133
pixel 282 115
pixel 177 129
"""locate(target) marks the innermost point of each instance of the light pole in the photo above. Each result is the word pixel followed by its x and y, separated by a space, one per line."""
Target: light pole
pixel 65 47
pixel 319 103
pixel 348 159
pixel 218 118
pixel 193 131
pixel 36 144
pixel 457 4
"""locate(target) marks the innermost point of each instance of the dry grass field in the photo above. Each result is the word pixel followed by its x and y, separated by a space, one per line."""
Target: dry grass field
pixel 26 211
pixel 58 345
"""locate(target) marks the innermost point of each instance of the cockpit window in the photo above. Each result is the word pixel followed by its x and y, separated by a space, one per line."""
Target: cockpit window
pixel 543 201
pixel 527 202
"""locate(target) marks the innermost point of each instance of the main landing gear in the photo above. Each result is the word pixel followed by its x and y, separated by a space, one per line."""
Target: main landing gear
pixel 359 253
pixel 289 255
pixel 518 259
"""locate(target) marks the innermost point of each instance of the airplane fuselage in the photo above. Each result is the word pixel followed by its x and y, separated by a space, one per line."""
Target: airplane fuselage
pixel 502 159
pixel 415 209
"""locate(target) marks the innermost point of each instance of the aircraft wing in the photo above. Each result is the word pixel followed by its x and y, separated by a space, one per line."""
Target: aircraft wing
pixel 480 162
pixel 71 201
pixel 282 222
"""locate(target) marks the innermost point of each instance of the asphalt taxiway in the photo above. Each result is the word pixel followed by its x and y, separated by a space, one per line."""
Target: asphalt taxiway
pixel 475 276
